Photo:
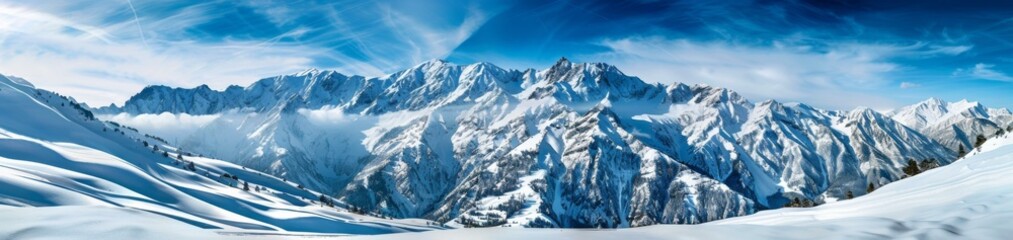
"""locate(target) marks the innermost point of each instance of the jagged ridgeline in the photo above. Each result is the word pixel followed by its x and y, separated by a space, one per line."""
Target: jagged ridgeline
pixel 574 145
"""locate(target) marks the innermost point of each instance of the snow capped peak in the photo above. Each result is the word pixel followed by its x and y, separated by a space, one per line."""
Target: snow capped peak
pixel 310 71
pixel 964 101
pixel 713 96
pixel 769 107
pixel 558 71
pixel 564 70
pixel 933 111
pixel 931 104
pixel 954 124
pixel 962 104
pixel 18 80
pixel 482 68
pixel 562 61
pixel 433 63
pixel 933 101
pixel 769 103
pixel 865 113
pixel 863 110
pixel 421 71
pixel 798 105
pixel 483 65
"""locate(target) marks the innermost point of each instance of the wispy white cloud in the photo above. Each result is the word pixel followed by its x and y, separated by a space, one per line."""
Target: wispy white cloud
pixel 104 52
pixel 832 77
pixel 950 50
pixel 987 72
pixel 327 116
pixel 102 67
pixel 173 127
pixel 137 21
pixel 20 20
pixel 396 38
pixel 909 85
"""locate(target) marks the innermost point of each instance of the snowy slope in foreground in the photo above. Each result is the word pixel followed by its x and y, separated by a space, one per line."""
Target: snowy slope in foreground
pixel 969 199
pixel 54 154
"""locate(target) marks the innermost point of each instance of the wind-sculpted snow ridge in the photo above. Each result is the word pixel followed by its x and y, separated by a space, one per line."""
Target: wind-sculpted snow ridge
pixel 55 155
pixel 574 145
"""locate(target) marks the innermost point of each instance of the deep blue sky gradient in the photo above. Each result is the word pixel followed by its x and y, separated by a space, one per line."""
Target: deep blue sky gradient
pixel 894 52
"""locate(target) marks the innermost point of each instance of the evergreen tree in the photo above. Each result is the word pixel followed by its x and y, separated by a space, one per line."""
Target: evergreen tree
pixel 145 143
pixel 246 186
pixel 912 168
pixel 179 156
pixel 979 141
pixel 807 203
pixel 870 188
pixel 191 167
pixel 155 148
pixel 928 164
pixel 961 152
pixel 165 154
pixel 849 195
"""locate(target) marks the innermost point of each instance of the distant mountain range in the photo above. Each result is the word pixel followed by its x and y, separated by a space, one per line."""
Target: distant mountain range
pixel 573 145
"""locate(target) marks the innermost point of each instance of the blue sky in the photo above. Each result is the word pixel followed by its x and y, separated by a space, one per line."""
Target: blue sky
pixel 832 54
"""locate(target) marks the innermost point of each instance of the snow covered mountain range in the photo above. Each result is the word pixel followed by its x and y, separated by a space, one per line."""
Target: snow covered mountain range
pixel 574 145
pixel 55 156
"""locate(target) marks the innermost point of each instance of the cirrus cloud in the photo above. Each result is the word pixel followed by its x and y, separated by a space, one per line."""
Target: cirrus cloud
pixel 104 52
pixel 988 72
